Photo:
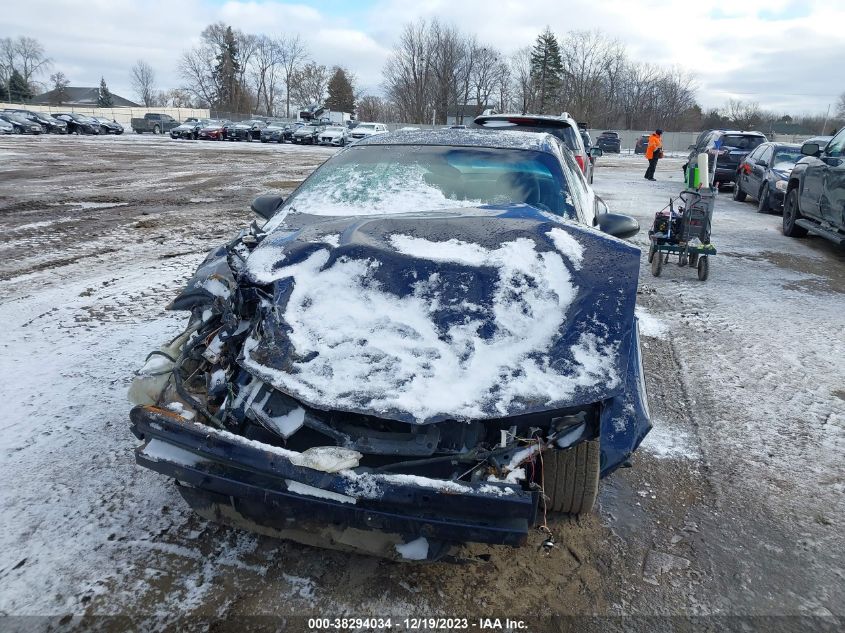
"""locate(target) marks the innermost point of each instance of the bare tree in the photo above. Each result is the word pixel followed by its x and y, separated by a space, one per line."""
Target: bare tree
pixel 58 94
pixel 523 85
pixel 31 58
pixel 840 106
pixel 407 73
pixel 485 76
pixel 743 114
pixel 309 83
pixel 197 70
pixel 143 82
pixel 370 108
pixel 265 72
pixel 592 65
pixel 292 53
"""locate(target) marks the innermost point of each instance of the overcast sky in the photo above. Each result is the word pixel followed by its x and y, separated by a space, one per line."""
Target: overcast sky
pixel 785 54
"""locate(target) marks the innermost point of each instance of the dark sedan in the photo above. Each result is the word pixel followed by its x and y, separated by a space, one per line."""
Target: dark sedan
pixel 308 134
pixel 190 129
pixel 609 142
pixel 78 123
pixel 108 126
pixel 246 130
pixel 432 341
pixel 275 132
pixel 21 124
pixel 213 131
pixel 764 175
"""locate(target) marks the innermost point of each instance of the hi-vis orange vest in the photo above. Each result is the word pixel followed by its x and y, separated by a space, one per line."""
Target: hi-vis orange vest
pixel 654 143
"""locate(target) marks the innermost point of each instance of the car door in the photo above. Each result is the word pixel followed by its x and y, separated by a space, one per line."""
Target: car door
pixel 759 166
pixel 745 180
pixel 832 181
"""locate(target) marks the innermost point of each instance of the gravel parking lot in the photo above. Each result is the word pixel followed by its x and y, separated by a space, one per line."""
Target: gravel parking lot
pixel 735 504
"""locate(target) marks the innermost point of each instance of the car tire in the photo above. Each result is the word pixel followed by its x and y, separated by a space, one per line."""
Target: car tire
pixel 657 264
pixel 571 477
pixel 156 130
pixel 739 194
pixel 703 268
pixel 763 200
pixel 791 213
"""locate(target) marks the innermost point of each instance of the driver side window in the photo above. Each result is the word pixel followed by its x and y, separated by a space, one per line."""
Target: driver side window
pixel 836 147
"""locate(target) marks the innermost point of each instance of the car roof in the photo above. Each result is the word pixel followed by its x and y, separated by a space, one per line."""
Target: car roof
pixel 467 138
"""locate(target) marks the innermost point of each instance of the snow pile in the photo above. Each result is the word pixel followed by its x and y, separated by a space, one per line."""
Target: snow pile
pixel 358 346
pixel 415 550
pixel 650 325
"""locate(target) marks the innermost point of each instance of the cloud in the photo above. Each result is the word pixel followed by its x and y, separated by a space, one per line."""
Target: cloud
pixel 768 47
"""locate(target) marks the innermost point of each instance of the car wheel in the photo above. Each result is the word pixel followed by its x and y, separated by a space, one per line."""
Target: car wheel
pixel 791 213
pixel 571 477
pixel 739 194
pixel 703 268
pixel 693 260
pixel 156 130
pixel 657 265
pixel 763 204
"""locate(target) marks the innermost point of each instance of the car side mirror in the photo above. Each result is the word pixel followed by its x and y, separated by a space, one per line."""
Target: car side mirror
pixel 618 225
pixel 267 205
pixel 762 163
pixel 596 151
pixel 810 149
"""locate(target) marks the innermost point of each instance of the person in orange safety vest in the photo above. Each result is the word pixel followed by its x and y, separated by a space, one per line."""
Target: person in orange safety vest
pixel 653 153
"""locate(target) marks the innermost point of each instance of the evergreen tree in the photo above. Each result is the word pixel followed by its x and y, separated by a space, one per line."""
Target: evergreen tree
pixel 104 99
pixel 227 71
pixel 341 94
pixel 546 69
pixel 19 90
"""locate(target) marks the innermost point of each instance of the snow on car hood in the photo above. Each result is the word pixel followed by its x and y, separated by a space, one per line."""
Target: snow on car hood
pixel 466 314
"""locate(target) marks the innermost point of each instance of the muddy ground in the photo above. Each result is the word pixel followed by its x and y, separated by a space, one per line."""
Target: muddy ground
pixel 733 507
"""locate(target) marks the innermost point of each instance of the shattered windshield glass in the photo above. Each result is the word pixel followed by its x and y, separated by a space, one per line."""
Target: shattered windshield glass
pixel 405 179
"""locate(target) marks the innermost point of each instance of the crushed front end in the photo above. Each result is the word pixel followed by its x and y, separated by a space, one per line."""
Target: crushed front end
pixel 250 450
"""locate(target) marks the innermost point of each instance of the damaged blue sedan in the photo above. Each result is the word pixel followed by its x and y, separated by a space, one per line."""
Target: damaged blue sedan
pixel 430 342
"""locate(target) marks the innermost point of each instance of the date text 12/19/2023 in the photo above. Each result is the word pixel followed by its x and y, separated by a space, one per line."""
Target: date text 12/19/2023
pixel 416 624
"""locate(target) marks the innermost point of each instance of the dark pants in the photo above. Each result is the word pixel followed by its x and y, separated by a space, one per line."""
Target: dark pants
pixel 652 165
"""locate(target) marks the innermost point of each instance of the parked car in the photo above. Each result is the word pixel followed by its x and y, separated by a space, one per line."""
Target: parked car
pixel 108 126
pixel 764 174
pixel 308 134
pixel 246 130
pixel 5 126
pixel 815 195
pixel 431 336
pixel 46 121
pixel 155 123
pixel 641 145
pixel 609 142
pixel 78 123
pixel 726 149
pixel 190 129
pixel 275 132
pixel 563 127
pixel 213 131
pixel 21 125
pixel 363 130
pixel 334 135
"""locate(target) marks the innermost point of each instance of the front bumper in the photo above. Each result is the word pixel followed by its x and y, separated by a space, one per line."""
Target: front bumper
pixel 257 481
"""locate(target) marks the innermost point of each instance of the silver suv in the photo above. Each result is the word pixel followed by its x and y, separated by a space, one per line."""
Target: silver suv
pixel 563 127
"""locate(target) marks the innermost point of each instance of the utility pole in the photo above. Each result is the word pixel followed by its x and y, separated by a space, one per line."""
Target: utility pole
pixel 826 116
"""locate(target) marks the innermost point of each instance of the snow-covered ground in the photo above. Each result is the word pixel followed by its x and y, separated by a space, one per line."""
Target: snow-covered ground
pixel 734 505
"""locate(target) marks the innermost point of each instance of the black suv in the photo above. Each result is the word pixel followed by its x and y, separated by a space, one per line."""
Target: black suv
pixel 609 142
pixel 726 148
pixel 815 193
